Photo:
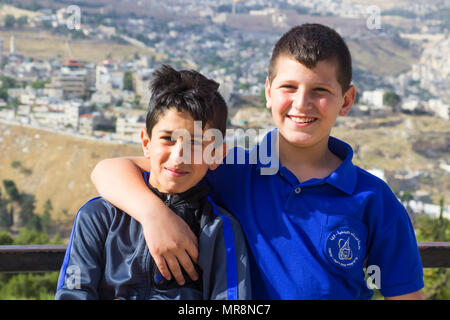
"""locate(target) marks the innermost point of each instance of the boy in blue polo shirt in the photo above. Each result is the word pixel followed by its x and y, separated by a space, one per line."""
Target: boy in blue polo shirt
pixel 314 224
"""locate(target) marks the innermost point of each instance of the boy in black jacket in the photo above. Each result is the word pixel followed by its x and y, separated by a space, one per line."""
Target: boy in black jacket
pixel 107 256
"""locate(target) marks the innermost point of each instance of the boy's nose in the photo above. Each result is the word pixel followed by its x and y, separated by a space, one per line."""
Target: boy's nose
pixel 177 153
pixel 300 99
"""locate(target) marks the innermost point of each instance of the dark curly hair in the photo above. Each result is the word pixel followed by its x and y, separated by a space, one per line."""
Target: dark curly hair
pixel 187 91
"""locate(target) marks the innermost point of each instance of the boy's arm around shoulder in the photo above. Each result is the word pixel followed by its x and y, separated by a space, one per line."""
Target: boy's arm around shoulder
pixel 83 262
pixel 228 264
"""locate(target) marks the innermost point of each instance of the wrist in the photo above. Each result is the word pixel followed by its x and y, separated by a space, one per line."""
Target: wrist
pixel 157 212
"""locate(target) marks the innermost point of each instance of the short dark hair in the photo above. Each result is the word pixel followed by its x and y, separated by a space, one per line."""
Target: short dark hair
pixel 310 43
pixel 187 91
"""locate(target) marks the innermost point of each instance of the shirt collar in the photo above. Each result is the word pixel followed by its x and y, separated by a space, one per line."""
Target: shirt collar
pixel 343 178
pixel 193 197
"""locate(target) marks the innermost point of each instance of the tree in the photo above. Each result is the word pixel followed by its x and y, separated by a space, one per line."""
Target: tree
pixel 8 82
pixel 31 236
pixel 10 21
pixel 16 164
pixel 391 99
pixel 128 81
pixel 23 20
pixel 5 238
pixel 26 212
pixel 6 215
pixel 11 190
pixel 38 84
pixel 441 224
pixel 46 216
pixel 46 24
pixel 4 94
pixel 437 280
pixel 26 286
pixel 262 95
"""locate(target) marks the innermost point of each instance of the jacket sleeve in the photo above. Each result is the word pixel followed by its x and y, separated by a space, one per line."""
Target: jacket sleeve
pixel 227 271
pixel 82 267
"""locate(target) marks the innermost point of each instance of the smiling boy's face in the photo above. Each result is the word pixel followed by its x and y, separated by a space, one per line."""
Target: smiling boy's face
pixel 306 102
pixel 170 172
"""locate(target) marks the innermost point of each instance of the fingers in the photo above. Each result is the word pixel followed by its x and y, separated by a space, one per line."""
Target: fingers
pixel 186 262
pixel 189 256
pixel 171 265
pixel 162 267
pixel 191 248
pixel 174 267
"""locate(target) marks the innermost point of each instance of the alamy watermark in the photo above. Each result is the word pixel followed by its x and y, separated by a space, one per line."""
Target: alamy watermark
pixel 373 21
pixel 73 277
pixel 72 15
pixel 193 153
pixel 373 273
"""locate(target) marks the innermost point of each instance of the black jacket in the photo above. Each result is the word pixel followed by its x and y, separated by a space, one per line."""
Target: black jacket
pixel 107 256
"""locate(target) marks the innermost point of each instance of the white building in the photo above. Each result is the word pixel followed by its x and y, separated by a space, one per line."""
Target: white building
pixel 101 98
pixel 108 77
pixel 73 110
pixel 141 82
pixel 73 79
pixel 129 128
pixel 378 173
pixel 373 98
pixel 439 108
pixel 49 117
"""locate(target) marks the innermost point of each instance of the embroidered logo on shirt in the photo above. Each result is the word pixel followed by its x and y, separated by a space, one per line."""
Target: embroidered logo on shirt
pixel 343 247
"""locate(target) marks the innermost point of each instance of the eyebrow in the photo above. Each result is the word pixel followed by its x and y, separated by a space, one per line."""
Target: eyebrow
pixel 165 131
pixel 326 84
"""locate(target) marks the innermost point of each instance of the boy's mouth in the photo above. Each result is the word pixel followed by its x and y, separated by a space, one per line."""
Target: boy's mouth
pixel 176 172
pixel 304 121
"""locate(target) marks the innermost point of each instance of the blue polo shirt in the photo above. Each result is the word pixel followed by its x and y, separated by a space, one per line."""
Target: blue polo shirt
pixel 311 240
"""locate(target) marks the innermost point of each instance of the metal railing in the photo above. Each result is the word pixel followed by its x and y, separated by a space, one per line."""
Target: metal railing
pixel 39 258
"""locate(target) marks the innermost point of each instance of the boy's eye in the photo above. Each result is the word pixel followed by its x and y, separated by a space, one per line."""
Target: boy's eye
pixel 166 138
pixel 321 90
pixel 288 86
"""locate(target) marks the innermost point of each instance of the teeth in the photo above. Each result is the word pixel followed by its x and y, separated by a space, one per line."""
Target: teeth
pixel 302 120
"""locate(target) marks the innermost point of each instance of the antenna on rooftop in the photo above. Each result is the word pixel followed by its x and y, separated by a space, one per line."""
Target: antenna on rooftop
pixel 69 51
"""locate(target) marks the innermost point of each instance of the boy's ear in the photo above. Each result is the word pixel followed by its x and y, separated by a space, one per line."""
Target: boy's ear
pixel 219 154
pixel 145 142
pixel 349 98
pixel 267 92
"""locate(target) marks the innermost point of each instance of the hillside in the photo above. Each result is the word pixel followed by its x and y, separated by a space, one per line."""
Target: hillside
pixel 43 45
pixel 402 143
pixel 54 166
pixel 381 57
